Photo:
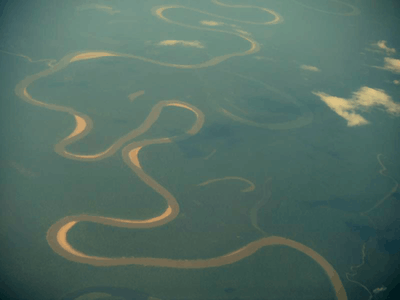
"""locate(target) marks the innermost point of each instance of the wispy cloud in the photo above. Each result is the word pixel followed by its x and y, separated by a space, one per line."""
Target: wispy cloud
pixel 365 97
pixel 99 7
pixel 392 64
pixel 310 68
pixel 382 45
pixel 211 23
pixel 196 44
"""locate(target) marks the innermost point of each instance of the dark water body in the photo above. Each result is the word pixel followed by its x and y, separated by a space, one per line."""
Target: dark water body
pixel 365 232
pixel 390 239
pixel 387 239
pixel 229 290
pixel 223 134
pixel 396 196
pixel 260 104
pixel 345 205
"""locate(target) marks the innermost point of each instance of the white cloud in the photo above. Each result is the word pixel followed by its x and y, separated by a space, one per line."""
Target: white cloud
pixel 365 97
pixel 310 68
pixel 368 97
pixel 382 45
pixel 211 23
pixel 196 44
pixel 392 64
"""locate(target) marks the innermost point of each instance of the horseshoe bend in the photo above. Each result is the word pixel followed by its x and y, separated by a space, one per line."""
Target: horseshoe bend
pixel 57 239
pixel 57 234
